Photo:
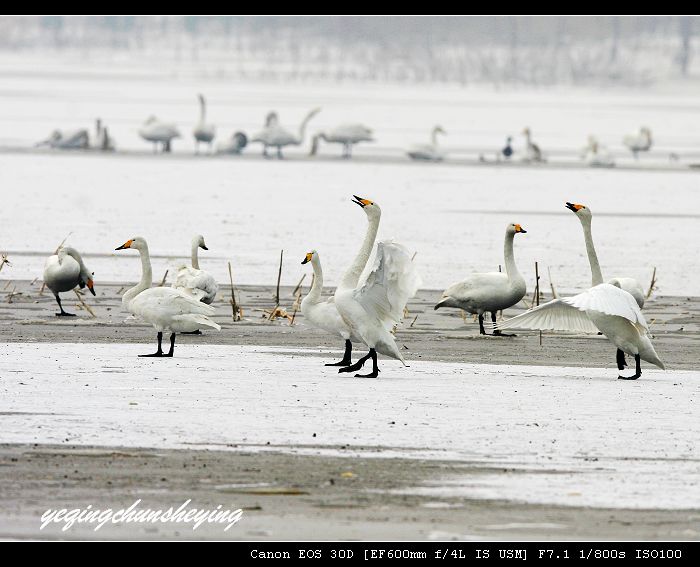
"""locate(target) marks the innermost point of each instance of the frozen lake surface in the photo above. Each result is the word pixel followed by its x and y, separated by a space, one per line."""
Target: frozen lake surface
pixel 571 436
pixel 453 217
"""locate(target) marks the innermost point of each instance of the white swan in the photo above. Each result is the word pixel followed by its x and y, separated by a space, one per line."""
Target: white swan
pixel 605 308
pixel 165 308
pixel 596 155
pixel 491 291
pixel 372 308
pixel 532 150
pixel 234 145
pixel 641 142
pixel 428 152
pixel 323 313
pixel 345 134
pixel 630 285
pixel 192 280
pixel 65 270
pixel 67 140
pixel 275 136
pixel 203 132
pixel 158 132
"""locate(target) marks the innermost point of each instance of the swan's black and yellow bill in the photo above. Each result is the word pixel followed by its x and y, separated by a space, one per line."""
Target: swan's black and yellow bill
pixel 126 245
pixel 574 207
pixel 519 228
pixel 307 258
pixel 91 286
pixel 360 201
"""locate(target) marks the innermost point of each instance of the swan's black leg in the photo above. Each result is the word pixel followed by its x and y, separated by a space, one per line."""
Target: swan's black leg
pixel 359 364
pixel 279 152
pixel 638 369
pixel 375 368
pixel 621 362
pixel 159 352
pixel 265 151
pixel 496 332
pixel 197 332
pixel 172 345
pixel 62 313
pixel 347 358
pixel 482 331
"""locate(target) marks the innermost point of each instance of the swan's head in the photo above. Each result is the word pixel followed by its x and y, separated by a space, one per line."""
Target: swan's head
pixel 439 130
pixel 272 119
pixel 370 208
pixel 309 257
pixel 581 211
pixel 151 119
pixel 514 228
pixel 199 241
pixel 138 243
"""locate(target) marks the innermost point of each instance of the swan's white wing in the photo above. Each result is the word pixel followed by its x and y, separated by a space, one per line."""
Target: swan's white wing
pixel 610 300
pixel 197 283
pixel 553 316
pixel 163 303
pixel 392 281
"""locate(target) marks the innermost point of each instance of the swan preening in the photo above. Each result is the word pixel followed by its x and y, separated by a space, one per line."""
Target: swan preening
pixel 346 134
pixel 323 313
pixel 203 132
pixel 532 150
pixel 64 271
pixel 492 291
pixel 167 309
pixel 428 152
pixel 630 285
pixel 640 142
pixel 276 136
pixel 596 155
pixel 80 139
pixel 234 145
pixel 192 280
pixel 605 308
pixel 158 132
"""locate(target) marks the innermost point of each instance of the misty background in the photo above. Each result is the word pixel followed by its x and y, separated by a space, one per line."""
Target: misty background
pixel 533 51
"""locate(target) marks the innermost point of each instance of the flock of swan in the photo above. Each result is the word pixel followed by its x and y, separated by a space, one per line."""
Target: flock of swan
pixel 371 299
pixel 274 136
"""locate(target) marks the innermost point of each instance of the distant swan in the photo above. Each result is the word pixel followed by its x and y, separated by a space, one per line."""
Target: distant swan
pixel 641 142
pixel 64 271
pixel 345 134
pixel 203 132
pixel 428 152
pixel 532 150
pixel 596 155
pixel 275 136
pixel 165 308
pixel 491 291
pixel 153 130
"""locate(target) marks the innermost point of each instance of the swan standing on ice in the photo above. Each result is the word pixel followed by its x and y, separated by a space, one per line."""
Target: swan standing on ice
pixel 65 270
pixel 275 136
pixel 630 285
pixel 641 142
pixel 323 314
pixel 195 282
pixel 345 134
pixel 428 152
pixel 596 155
pixel 605 308
pixel 491 291
pixel 165 308
pixel 203 132
pixel 532 150
pixel 153 130
pixel 372 308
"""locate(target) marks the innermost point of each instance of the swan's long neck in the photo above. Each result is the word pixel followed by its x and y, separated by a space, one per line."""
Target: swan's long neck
pixel 317 286
pixel 146 277
pixel 596 274
pixel 434 138
pixel 352 276
pixel 302 126
pixel 195 254
pixel 202 110
pixel 511 268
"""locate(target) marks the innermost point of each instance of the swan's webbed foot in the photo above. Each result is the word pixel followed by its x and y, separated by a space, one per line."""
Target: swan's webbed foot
pixel 361 362
pixel 65 314
pixel 373 374
pixel 347 359
pixel 375 369
pixel 638 369
pixel 197 332
pixel 160 352
pixel 498 333
pixel 157 353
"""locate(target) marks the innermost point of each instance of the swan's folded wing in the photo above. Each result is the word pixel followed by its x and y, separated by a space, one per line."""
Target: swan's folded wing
pixel 392 281
pixel 556 315
pixel 610 300
pixel 164 302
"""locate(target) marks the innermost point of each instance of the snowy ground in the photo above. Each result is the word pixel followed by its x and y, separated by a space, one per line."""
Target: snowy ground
pixel 580 437
pixel 454 217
